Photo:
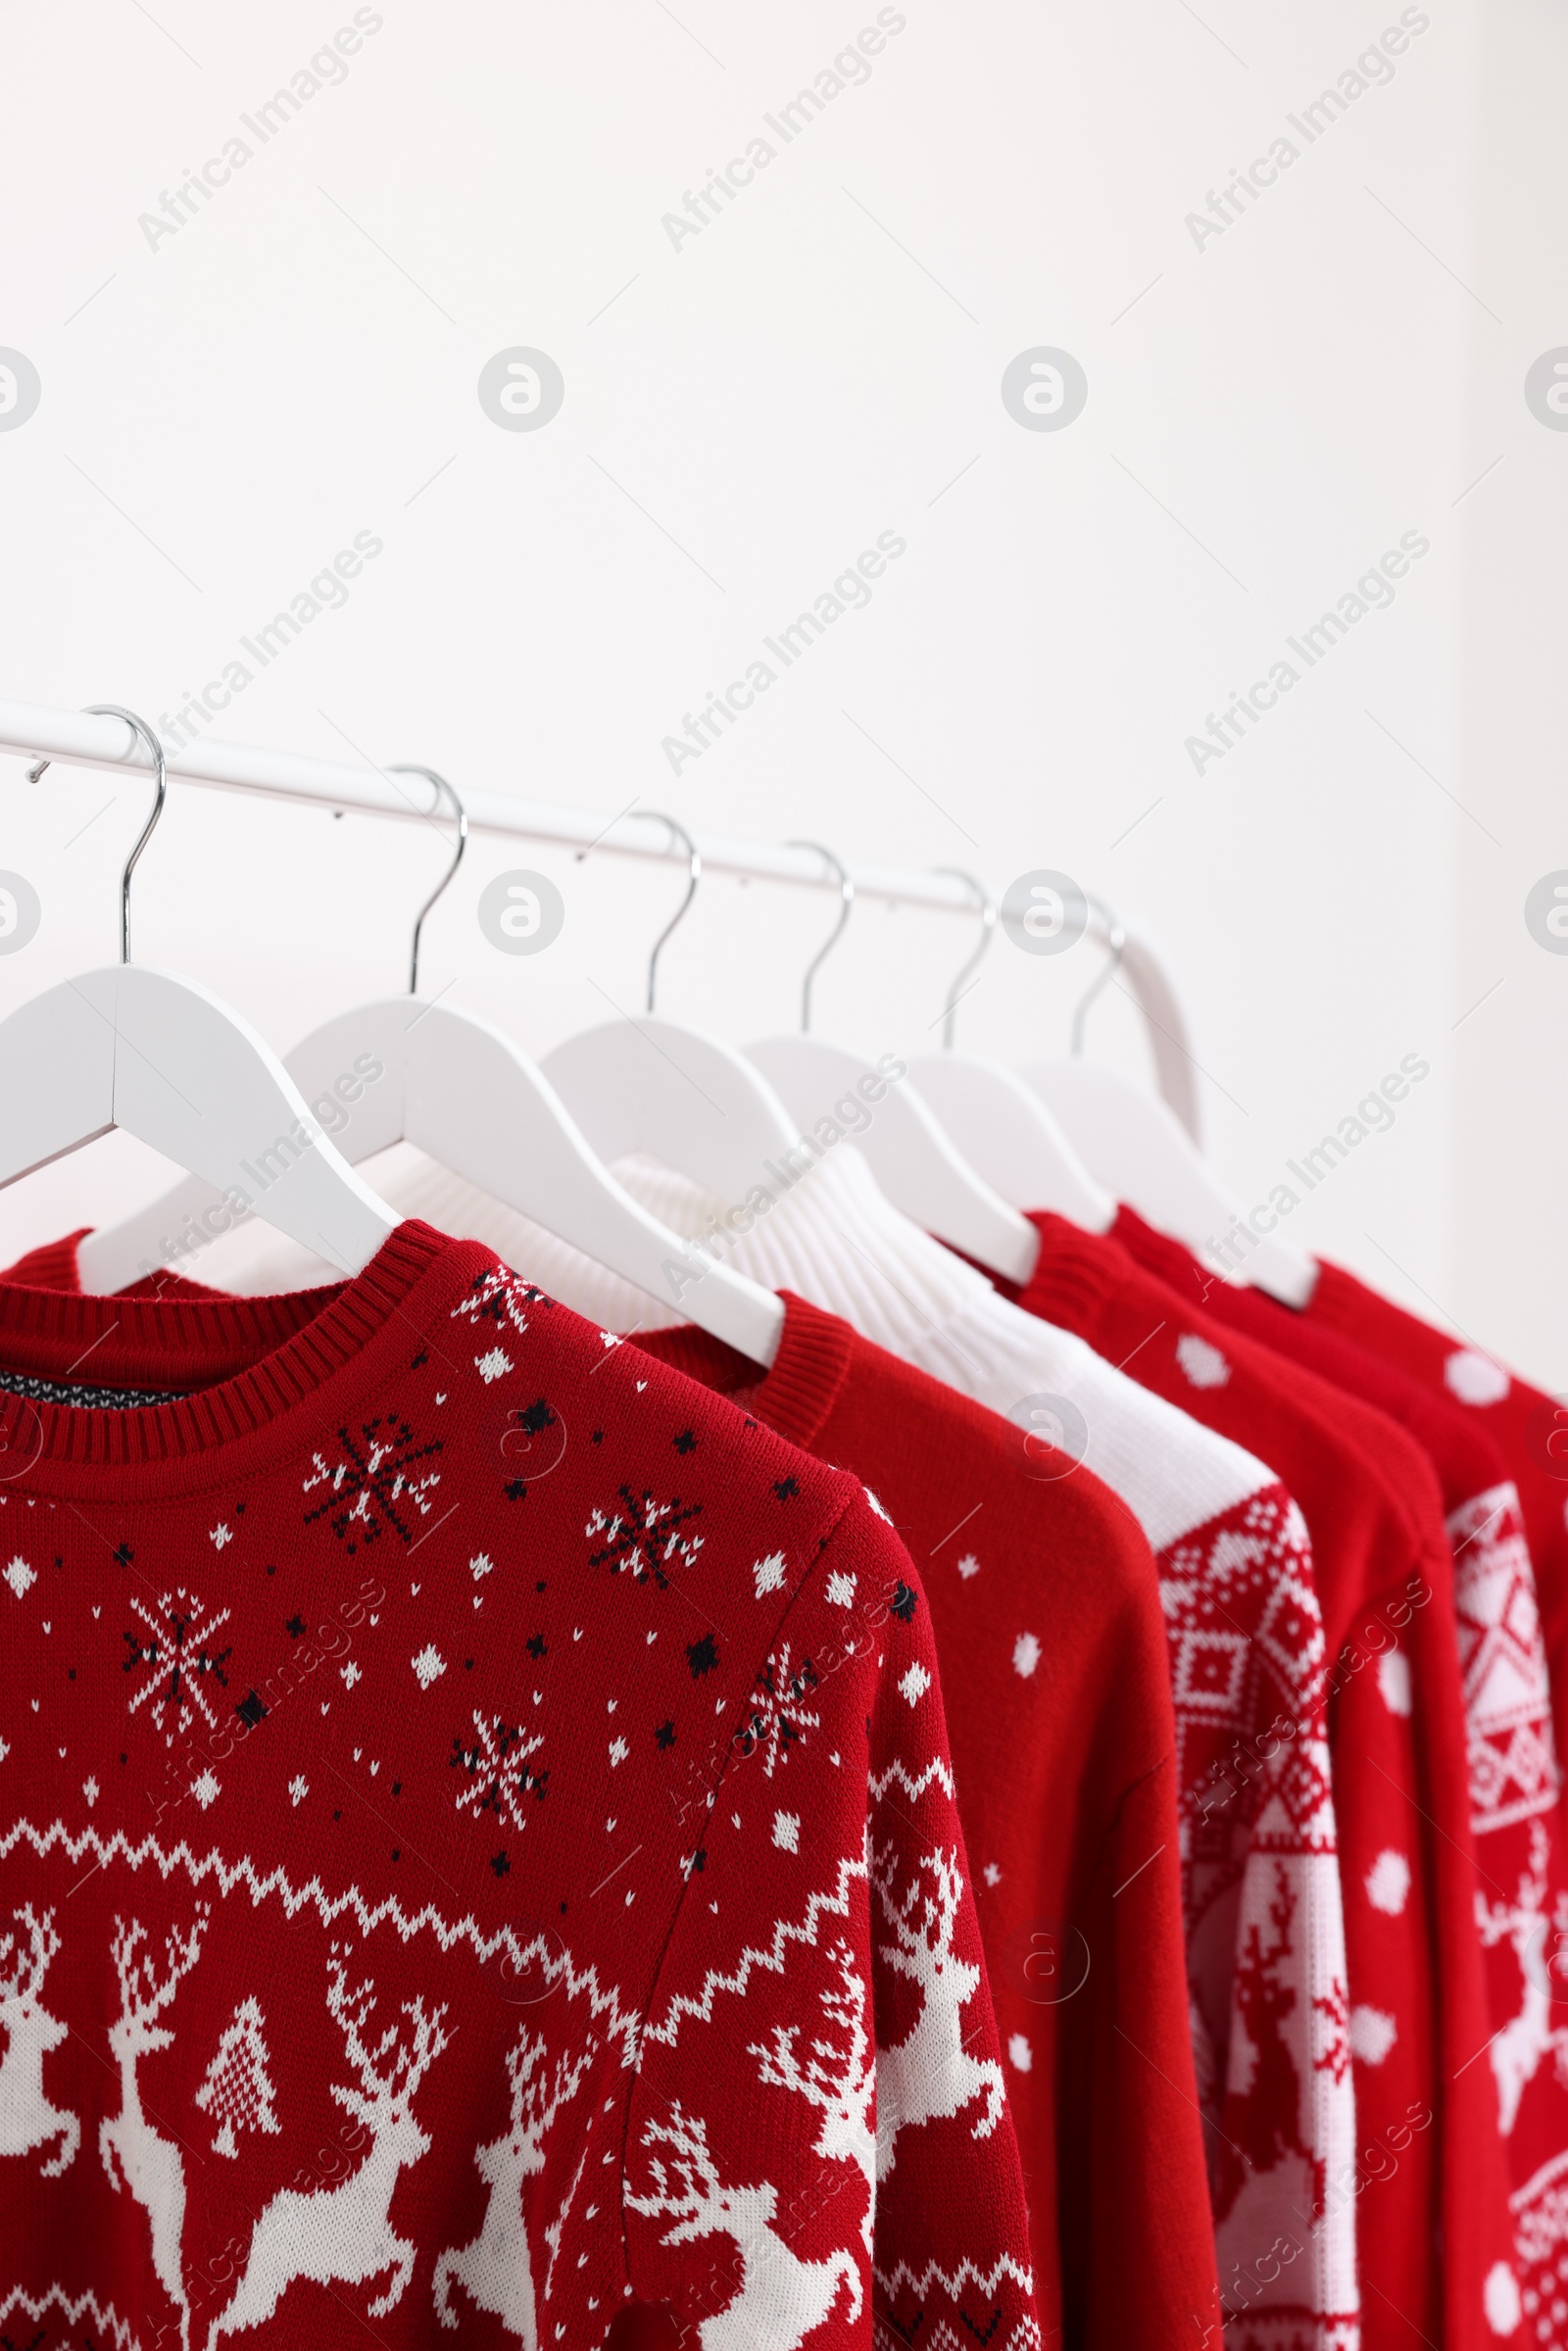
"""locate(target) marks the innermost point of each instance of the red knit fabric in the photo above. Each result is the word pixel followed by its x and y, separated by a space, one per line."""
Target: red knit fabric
pixel 1516 1784
pixel 1047 1624
pixel 476 1848
pixel 53 1266
pixel 1432 2220
pixel 1529 1428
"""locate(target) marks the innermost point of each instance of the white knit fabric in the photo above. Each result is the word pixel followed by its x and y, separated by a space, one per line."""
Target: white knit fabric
pixel 834 1239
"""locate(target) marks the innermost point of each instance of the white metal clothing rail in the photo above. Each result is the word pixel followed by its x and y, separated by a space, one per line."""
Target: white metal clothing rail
pixel 84 739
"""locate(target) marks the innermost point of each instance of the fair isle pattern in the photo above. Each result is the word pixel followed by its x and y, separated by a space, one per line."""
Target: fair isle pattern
pixel 1258 1840
pixel 1276 2331
pixel 1541 2246
pixel 325 1966
pixel 1024 2337
pixel 1515 1772
pixel 1521 1902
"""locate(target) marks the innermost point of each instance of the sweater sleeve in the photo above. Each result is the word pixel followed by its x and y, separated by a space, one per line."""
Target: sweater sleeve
pixel 821 2130
pixel 1127 2068
pixel 1426 2144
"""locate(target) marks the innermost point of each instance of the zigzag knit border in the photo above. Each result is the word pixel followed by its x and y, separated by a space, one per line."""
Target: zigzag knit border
pixel 984 2281
pixel 103 2315
pixel 554 1965
pixel 835 1905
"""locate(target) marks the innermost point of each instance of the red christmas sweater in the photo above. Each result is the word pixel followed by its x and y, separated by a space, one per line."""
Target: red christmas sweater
pixel 1429 2181
pixel 1261 1905
pixel 1529 1428
pixel 1047 1623
pixel 1517 1786
pixel 477 1848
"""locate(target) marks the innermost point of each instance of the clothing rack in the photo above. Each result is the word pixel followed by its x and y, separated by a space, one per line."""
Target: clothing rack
pixel 84 739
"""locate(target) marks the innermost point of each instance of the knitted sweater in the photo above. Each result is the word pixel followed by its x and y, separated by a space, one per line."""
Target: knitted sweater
pixel 1529 1428
pixel 478 1847
pixel 1516 1784
pixel 1433 2235
pixel 1262 1897
pixel 1043 1596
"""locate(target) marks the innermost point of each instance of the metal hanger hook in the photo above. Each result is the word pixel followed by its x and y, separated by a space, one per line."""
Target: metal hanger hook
pixel 412 768
pixel 1116 941
pixel 847 901
pixel 988 924
pixel 677 832
pixel 138 726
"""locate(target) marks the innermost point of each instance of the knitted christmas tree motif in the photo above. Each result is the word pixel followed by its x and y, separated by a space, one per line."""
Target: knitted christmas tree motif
pixel 173 1653
pixel 375 1483
pixel 644 1537
pixel 237 2089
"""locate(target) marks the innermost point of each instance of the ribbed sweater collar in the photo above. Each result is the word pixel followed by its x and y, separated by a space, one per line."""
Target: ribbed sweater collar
pixel 797 1395
pixel 251 1363
pixel 1077 1275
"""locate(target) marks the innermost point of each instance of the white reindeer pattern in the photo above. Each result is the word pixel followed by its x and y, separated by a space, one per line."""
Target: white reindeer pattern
pixel 782 2299
pixel 839 2077
pixel 930 2075
pixel 1518 2049
pixel 495 2265
pixel 344 2235
pixel 151 2168
pixel 27 2118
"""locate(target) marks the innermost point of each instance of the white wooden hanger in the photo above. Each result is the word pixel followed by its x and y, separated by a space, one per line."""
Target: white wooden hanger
pixel 1136 1145
pixel 461 1091
pixel 655 1085
pixel 1010 1137
pixel 128 1046
pixel 916 1162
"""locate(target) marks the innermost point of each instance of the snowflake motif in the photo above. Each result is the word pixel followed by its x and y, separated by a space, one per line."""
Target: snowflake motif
pixel 777 1722
pixel 176 1653
pixel 644 1535
pixel 498 1298
pixel 496 1768
pixel 1373 2034
pixel 374 1484
pixel 769 1572
pixel 19 1575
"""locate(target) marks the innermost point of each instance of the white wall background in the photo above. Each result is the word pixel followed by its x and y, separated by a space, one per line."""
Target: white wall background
pixel 1265 417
